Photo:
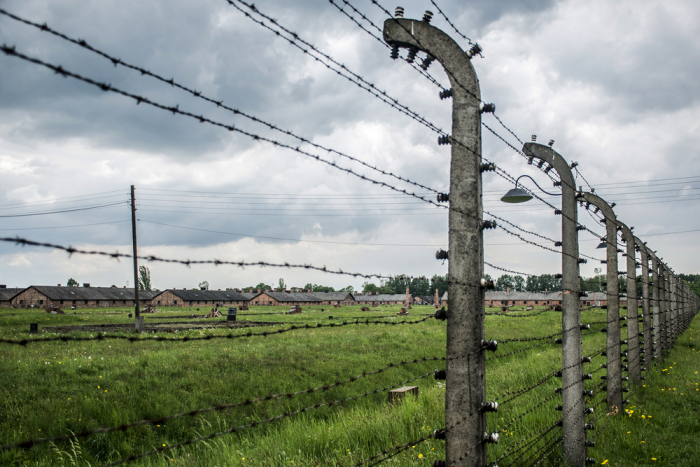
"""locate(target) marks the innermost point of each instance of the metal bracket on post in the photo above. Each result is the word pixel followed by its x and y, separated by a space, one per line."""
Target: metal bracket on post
pixel 465 385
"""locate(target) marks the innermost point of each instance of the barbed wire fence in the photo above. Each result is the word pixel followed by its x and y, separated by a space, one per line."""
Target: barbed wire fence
pixel 668 304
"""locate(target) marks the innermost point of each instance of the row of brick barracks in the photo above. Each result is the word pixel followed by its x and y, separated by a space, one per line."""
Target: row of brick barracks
pixel 90 297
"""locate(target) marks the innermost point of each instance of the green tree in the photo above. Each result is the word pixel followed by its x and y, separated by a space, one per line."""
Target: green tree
pixel 438 282
pixel 349 288
pixel 204 285
pixel 144 278
pixel 282 285
pixel 369 287
pixel 519 283
pixel 72 283
pixel 398 284
pixel 504 282
pixel 420 286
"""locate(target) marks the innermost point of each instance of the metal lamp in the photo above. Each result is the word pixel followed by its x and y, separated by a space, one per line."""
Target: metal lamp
pixel 518 195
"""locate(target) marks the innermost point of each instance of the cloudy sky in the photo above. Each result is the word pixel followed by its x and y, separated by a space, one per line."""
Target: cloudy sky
pixel 613 83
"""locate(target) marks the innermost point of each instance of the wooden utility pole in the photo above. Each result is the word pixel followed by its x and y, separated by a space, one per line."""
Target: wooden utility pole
pixel 138 319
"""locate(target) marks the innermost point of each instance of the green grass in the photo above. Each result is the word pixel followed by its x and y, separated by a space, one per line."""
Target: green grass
pixel 54 389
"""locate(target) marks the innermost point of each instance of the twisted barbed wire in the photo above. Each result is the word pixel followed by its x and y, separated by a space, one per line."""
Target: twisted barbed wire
pixel 105 337
pixel 261 422
pixel 219 103
pixel 216 408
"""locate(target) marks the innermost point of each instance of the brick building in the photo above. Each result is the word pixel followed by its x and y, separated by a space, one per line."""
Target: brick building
pixel 494 298
pixel 334 298
pixel 6 296
pixel 195 298
pixel 380 299
pixel 79 297
pixel 286 299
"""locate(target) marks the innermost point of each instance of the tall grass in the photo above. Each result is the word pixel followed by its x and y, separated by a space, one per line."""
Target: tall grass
pixel 54 389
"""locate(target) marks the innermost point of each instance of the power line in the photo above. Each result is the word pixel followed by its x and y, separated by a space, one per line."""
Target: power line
pixel 346 215
pixel 67 226
pixel 60 200
pixel 100 206
pixel 287 239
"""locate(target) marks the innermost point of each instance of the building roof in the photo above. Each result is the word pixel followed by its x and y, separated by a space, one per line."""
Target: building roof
pixel 425 298
pixel 398 297
pixel 9 294
pixel 250 295
pixel 337 296
pixel 513 295
pixel 209 295
pixel 91 293
pixel 294 297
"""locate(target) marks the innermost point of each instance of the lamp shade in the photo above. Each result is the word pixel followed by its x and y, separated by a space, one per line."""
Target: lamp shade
pixel 602 244
pixel 516 195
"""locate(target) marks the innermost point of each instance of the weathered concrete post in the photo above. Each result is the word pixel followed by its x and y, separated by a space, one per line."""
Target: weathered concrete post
pixel 674 308
pixel 465 385
pixel 634 368
pixel 613 352
pixel 666 331
pixel 646 317
pixel 656 305
pixel 573 402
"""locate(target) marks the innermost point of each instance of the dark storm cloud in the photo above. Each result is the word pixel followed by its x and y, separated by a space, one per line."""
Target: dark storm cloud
pixel 541 57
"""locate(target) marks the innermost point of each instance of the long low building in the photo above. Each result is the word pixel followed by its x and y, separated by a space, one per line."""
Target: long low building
pixel 494 298
pixel 382 299
pixel 194 298
pixel 79 297
pixel 6 296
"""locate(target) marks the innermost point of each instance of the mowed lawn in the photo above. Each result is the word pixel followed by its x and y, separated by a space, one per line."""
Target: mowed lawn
pixel 55 389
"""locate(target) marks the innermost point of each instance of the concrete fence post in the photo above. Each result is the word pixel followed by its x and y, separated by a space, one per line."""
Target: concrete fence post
pixel 667 309
pixel 656 305
pixel 634 368
pixel 613 351
pixel 573 402
pixel 465 421
pixel 646 316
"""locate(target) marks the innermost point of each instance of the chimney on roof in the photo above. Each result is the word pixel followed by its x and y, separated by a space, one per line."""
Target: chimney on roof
pixel 545 290
pixel 3 286
pixel 58 285
pixel 86 285
pixel 308 290
pixel 267 289
pixel 258 290
pixel 508 289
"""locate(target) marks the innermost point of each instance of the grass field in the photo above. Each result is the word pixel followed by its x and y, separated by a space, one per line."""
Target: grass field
pixel 55 389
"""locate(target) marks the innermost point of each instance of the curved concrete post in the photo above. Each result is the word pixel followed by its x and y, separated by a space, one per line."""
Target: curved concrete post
pixel 634 368
pixel 613 352
pixel 672 309
pixel 656 322
pixel 646 317
pixel 573 402
pixel 465 384
pixel 666 313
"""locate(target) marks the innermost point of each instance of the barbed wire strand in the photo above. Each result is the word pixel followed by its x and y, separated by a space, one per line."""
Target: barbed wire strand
pixel 261 422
